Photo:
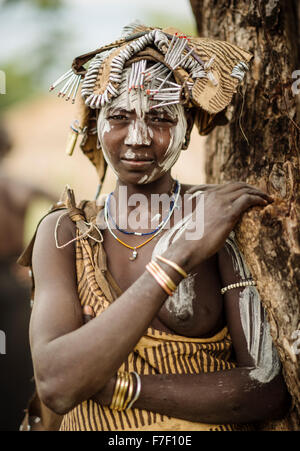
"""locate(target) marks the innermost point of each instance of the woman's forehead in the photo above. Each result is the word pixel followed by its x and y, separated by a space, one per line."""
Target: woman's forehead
pixel 157 112
pixel 138 103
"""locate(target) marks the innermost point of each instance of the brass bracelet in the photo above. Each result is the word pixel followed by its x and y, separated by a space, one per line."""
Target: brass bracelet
pixel 120 376
pixel 116 392
pixel 130 391
pixel 159 280
pixel 122 391
pixel 174 265
pixel 163 275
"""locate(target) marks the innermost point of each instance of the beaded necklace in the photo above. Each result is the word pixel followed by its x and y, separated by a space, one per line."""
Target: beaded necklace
pixel 161 226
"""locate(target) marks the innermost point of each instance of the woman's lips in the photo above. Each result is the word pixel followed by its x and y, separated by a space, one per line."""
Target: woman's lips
pixel 136 163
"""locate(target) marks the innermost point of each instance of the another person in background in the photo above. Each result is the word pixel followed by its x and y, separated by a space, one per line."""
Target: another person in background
pixel 16 366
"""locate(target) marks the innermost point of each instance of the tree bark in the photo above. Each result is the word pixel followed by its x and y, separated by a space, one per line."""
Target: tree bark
pixel 260 145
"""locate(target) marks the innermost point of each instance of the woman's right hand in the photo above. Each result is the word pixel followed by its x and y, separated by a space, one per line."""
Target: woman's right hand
pixel 209 227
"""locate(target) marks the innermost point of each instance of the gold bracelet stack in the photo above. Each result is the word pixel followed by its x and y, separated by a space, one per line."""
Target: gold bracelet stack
pixel 161 277
pixel 174 265
pixel 120 387
pixel 123 397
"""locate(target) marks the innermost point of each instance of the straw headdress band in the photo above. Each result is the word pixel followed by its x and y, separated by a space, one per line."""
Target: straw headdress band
pixel 205 75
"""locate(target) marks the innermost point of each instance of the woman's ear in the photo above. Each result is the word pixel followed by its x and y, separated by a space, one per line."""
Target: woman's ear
pixel 190 118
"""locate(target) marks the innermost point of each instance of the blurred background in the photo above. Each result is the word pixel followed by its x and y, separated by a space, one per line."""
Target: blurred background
pixel 39 39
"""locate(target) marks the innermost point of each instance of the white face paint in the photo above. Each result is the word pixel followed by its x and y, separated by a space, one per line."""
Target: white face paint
pixel 103 126
pixel 143 179
pixel 176 140
pixel 181 303
pixel 139 132
pixel 255 323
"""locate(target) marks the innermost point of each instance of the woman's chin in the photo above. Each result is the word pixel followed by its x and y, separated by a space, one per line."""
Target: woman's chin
pixel 138 177
pixel 135 178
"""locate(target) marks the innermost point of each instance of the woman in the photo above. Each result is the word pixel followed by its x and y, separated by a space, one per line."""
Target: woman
pixel 160 347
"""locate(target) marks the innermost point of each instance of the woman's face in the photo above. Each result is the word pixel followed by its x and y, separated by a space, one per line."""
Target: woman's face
pixel 139 143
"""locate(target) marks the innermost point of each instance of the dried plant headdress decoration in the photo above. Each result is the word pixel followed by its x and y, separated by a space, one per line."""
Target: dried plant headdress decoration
pixel 198 73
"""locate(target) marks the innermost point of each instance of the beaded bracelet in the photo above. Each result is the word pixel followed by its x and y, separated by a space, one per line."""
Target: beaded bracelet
pixel 244 283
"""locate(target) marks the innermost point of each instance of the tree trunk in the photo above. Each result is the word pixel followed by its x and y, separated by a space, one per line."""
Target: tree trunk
pixel 260 146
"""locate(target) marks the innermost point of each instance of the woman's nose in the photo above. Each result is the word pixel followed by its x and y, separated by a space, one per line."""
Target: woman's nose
pixel 138 134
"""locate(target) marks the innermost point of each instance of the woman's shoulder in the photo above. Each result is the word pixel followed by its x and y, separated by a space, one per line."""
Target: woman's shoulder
pixel 45 236
pixel 54 219
pixel 54 240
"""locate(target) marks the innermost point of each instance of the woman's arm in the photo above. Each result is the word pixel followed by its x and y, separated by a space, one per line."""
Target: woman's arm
pixel 253 391
pixel 73 361
pixel 228 396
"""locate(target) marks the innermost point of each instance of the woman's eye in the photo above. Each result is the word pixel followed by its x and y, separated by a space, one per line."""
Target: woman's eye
pixel 159 119
pixel 117 117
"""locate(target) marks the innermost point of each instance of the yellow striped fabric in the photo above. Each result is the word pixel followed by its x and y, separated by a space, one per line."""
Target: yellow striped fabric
pixel 156 353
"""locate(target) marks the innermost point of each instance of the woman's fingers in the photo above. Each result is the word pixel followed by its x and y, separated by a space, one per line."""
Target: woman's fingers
pixel 238 188
pixel 247 200
pixel 234 186
pixel 232 190
pixel 88 313
pixel 251 191
pixel 206 231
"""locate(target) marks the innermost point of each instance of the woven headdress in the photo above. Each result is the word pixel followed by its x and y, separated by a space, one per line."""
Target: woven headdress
pixel 206 73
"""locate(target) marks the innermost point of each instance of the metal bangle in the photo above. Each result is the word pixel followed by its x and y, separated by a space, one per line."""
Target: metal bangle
pixel 159 280
pixel 116 393
pixel 174 265
pixel 130 391
pixel 138 390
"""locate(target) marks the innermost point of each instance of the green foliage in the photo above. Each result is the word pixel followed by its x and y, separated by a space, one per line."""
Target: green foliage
pixel 19 85
pixel 42 4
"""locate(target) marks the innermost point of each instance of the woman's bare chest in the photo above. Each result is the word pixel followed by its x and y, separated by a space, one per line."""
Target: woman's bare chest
pixel 196 307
